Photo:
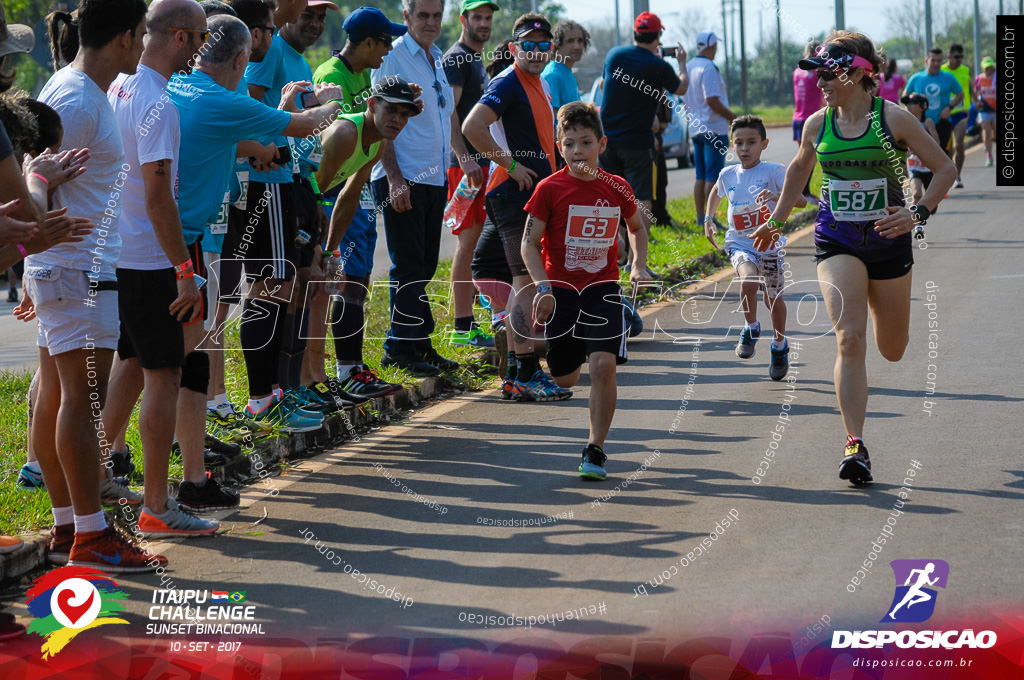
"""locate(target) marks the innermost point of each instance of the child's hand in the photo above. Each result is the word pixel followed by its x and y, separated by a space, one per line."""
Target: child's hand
pixel 709 231
pixel 766 196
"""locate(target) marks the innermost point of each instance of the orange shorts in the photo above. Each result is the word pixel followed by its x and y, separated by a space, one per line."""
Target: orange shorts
pixel 477 213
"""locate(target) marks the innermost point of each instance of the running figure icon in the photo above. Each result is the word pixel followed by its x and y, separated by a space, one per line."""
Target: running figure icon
pixel 917 583
pixel 916 595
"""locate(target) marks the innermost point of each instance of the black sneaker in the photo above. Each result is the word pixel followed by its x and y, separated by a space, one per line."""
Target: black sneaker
pixel 592 467
pixel 444 365
pixel 364 383
pixel 209 496
pixel 415 365
pixel 780 363
pixel 855 466
pixel 330 390
pixel 121 462
pixel 222 447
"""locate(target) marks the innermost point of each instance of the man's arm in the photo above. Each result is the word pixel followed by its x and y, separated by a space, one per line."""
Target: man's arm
pixel 476 127
pixel 684 77
pixel 469 166
pixel 162 210
pixel 257 91
pixel 312 121
pixel 716 105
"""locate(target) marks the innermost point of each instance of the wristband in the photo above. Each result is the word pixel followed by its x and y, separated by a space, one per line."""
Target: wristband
pixel 21 249
pixel 181 276
pixel 512 168
pixel 774 223
pixel 708 218
pixel 184 268
pixel 38 176
pixel 316 187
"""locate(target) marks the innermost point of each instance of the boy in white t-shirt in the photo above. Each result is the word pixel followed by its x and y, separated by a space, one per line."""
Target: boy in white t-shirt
pixel 752 188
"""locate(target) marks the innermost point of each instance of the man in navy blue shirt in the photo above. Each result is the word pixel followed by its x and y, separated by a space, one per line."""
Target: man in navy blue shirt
pixel 635 81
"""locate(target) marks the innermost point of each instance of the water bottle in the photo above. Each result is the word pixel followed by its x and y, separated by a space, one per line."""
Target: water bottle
pixel 458 208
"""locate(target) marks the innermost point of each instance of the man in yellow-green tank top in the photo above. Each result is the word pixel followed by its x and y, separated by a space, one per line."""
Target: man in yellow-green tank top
pixel 958 115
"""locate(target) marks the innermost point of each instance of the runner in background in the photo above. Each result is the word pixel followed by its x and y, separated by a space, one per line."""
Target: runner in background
pixel 943 91
pixel 807 99
pixel 958 116
pixel 464 68
pixel 985 86
pixel 862 233
pixel 891 83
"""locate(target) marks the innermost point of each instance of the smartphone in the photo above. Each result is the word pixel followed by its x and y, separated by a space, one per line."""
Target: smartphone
pixel 309 100
pixel 284 155
pixel 668 52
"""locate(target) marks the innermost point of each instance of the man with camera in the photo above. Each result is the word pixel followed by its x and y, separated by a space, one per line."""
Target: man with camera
pixel 635 79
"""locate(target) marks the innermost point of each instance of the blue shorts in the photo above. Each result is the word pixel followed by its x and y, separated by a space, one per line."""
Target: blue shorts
pixel 360 240
pixel 709 155
pixel 798 129
pixel 955 118
pixel 986 116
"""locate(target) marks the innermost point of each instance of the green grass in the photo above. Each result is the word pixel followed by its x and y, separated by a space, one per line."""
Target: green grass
pixel 773 115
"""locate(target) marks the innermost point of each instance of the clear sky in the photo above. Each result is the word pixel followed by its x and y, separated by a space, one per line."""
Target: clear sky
pixel 798 16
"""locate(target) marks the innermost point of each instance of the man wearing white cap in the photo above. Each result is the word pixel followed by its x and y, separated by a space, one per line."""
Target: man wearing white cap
pixel 707 108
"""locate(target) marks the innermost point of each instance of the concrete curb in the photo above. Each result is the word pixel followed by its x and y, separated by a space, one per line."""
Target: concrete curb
pixel 266 454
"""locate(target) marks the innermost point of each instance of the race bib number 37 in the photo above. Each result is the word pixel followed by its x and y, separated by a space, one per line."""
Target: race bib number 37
pixel 589 234
pixel 857 200
pixel 749 216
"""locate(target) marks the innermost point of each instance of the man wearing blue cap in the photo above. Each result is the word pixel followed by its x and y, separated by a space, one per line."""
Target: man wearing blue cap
pixel 370 34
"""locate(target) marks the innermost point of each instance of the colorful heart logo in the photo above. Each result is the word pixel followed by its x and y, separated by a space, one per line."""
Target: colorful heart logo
pixel 73 612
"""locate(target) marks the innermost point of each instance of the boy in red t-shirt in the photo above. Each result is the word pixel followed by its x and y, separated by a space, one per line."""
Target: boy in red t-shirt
pixel 574 215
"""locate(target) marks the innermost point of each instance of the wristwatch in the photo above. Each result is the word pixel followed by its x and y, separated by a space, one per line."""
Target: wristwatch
pixel 921 213
pixel 543 288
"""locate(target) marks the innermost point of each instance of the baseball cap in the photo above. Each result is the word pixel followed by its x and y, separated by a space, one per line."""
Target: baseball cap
pixel 647 22
pixel 396 91
pixel 833 56
pixel 706 39
pixel 914 98
pixel 469 5
pixel 529 26
pixel 17 38
pixel 368 22
pixel 988 61
pixel 322 3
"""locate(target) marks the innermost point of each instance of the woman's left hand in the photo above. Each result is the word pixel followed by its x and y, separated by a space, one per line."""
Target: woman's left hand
pixel 899 222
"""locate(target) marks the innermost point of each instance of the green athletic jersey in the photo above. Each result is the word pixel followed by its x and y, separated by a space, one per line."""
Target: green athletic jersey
pixel 359 157
pixel 963 76
pixel 356 85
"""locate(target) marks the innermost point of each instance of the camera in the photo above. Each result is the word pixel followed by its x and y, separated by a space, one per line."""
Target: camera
pixel 309 100
pixel 668 52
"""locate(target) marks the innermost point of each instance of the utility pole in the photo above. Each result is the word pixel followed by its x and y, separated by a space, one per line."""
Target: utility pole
pixel 977 39
pixel 618 22
pixel 725 44
pixel 743 59
pixel 778 52
pixel 640 6
pixel 927 25
pixel 841 15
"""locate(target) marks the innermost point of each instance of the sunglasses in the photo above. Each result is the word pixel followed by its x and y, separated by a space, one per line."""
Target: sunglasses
pixel 532 45
pixel 828 75
pixel 384 39
pixel 203 35
pixel 271 29
pixel 440 94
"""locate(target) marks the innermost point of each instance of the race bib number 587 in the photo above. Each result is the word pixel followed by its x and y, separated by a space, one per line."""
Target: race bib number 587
pixel 857 200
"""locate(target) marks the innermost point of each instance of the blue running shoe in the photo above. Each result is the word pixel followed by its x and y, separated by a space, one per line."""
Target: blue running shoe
pixel 780 363
pixel 279 416
pixel 30 479
pixel 748 338
pixel 592 466
pixel 540 388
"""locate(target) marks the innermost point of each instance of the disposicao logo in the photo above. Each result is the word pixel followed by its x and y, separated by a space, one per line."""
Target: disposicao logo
pixel 913 602
pixel 70 600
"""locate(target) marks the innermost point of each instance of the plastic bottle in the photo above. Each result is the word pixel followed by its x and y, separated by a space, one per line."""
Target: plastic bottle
pixel 458 208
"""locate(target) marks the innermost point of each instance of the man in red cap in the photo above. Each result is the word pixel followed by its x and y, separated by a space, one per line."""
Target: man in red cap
pixel 636 79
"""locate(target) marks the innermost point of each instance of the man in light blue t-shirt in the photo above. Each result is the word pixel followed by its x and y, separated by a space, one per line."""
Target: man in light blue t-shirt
pixel 571 41
pixel 942 90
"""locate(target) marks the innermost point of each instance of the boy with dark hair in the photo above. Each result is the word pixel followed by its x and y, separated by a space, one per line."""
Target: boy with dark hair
pixel 574 216
pixel 753 188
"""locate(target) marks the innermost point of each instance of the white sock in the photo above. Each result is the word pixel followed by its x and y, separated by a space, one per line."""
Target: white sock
pixel 344 371
pixel 257 405
pixel 94 522
pixel 756 326
pixel 33 465
pixel 777 345
pixel 62 516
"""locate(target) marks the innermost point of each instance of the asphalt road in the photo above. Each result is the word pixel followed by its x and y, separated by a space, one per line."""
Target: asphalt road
pixel 690 433
pixel 20 351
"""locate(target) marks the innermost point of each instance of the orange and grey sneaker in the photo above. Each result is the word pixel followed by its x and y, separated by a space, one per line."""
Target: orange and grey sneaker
pixel 112 552
pixel 62 537
pixel 174 522
pixel 10 544
pixel 510 390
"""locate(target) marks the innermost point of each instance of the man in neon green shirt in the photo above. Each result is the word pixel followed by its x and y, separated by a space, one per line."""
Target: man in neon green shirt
pixel 958 116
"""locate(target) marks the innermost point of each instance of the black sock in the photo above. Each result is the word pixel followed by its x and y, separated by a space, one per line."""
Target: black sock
pixel 289 347
pixel 528 365
pixel 512 372
pixel 260 343
pixel 464 323
pixel 347 329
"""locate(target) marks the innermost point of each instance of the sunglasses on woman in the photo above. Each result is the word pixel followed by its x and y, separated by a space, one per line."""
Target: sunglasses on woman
pixel 532 45
pixel 828 75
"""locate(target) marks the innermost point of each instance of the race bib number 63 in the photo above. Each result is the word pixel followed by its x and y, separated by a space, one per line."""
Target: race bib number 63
pixel 590 233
